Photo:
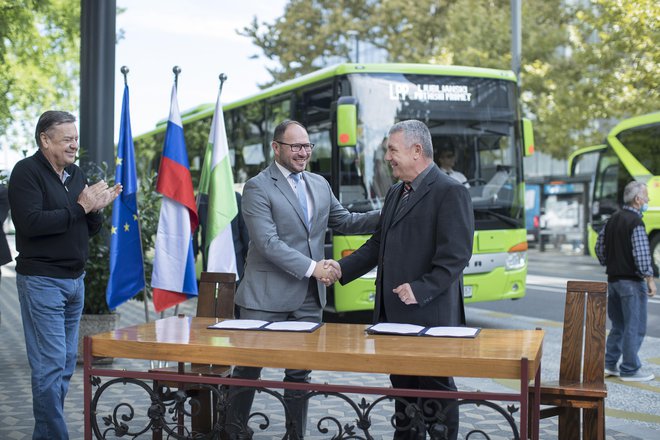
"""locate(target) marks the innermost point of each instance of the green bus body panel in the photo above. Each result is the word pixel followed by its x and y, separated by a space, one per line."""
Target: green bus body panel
pixel 580 152
pixel 359 294
pixel 528 137
pixel 499 280
pixel 497 240
pixel 637 121
pixel 498 284
pixel 651 217
pixel 206 110
pixel 346 122
pixel 634 167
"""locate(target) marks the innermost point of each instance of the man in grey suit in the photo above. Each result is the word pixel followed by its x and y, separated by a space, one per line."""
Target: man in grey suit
pixel 421 246
pixel 287 212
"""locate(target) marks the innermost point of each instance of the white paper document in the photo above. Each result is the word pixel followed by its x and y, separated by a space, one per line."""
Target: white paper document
pixel 452 332
pixel 255 324
pixel 401 329
pixel 390 328
pixel 292 326
pixel 239 324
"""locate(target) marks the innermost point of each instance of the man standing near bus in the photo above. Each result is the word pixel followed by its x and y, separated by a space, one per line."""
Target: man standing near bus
pixel 421 246
pixel 623 247
pixel 287 211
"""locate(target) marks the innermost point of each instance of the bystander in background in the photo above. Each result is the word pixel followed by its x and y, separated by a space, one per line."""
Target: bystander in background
pixel 623 248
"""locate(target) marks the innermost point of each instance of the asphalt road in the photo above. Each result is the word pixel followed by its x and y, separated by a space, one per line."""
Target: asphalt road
pixel 546 286
pixel 547 275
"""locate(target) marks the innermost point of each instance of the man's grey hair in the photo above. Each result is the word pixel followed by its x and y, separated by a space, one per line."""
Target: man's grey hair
pixel 415 132
pixel 632 190
pixel 50 119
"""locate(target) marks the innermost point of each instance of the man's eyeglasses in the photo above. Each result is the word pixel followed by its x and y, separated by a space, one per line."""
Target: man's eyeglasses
pixel 297 147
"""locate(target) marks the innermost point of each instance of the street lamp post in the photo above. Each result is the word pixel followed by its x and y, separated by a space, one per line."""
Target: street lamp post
pixel 355 34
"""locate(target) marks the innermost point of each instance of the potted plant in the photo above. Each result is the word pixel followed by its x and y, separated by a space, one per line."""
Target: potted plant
pixel 97 317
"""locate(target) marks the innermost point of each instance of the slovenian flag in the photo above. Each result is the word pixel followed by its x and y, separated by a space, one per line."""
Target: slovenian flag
pixel 126 265
pixel 216 188
pixel 173 279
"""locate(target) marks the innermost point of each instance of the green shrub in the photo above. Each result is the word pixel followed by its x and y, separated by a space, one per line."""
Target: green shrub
pixel 98 264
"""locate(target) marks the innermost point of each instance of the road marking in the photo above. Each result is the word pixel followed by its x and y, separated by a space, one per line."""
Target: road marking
pixel 542 280
pixel 640 385
pixel 629 415
pixel 546 288
pixel 558 285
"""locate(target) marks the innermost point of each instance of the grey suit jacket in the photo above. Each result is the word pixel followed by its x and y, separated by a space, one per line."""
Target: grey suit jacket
pixel 427 244
pixel 281 246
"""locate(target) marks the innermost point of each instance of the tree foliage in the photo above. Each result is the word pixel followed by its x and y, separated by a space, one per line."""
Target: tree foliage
pixel 611 71
pixel 580 65
pixel 39 55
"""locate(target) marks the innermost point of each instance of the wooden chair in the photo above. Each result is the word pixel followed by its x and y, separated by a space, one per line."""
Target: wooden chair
pixel 581 386
pixel 215 300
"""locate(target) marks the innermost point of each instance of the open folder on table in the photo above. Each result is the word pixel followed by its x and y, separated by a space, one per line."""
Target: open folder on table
pixel 391 328
pixel 255 324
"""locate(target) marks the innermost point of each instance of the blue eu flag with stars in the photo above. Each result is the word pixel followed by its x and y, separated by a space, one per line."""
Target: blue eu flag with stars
pixel 126 263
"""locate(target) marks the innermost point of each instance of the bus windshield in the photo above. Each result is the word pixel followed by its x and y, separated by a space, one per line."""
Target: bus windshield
pixel 643 143
pixel 475 118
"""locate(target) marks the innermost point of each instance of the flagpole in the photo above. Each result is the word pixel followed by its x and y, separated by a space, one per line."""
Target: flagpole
pixel 124 71
pixel 176 70
pixel 222 77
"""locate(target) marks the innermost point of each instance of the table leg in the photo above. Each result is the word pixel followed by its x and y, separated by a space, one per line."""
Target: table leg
pixel 524 397
pixel 536 405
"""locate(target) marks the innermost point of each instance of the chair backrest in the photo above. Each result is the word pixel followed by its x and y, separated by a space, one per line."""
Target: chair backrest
pixel 583 341
pixel 216 295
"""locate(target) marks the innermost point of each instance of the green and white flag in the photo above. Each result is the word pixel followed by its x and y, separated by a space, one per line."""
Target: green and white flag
pixel 217 186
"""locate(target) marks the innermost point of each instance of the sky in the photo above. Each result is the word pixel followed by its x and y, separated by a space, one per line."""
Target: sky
pixel 200 37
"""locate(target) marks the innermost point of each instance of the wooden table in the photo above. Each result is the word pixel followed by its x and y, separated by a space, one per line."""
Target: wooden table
pixel 494 353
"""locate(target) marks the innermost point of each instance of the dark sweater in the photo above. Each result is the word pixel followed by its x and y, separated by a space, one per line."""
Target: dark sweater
pixel 620 262
pixel 52 230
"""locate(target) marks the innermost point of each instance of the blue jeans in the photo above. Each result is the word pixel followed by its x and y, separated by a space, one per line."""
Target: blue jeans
pixel 51 309
pixel 626 308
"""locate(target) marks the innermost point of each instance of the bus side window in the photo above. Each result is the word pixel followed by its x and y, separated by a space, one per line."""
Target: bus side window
pixel 321 161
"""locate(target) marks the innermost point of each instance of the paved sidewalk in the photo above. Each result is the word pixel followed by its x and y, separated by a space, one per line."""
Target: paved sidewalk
pixel 632 409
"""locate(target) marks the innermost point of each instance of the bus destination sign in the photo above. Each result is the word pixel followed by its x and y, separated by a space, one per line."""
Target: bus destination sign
pixel 430 92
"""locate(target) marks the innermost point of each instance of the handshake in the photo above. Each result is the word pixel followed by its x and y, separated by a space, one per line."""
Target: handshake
pixel 327 271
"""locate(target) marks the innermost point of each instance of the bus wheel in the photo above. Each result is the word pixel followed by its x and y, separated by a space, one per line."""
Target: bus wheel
pixel 655 253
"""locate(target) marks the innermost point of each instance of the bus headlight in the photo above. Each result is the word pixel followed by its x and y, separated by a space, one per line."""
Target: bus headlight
pixel 515 260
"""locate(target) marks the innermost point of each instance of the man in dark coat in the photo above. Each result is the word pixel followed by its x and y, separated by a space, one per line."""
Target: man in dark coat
pixel 422 244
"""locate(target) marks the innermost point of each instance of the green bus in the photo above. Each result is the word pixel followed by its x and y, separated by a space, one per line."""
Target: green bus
pixel 631 152
pixel 348 110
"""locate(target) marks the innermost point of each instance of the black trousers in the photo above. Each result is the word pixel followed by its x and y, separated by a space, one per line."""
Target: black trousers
pixel 431 405
pixel 241 398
